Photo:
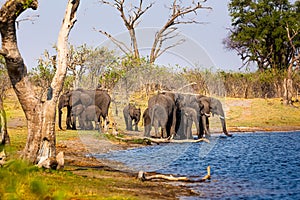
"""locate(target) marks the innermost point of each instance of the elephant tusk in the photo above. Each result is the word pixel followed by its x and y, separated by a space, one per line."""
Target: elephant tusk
pixel 207 115
pixel 221 117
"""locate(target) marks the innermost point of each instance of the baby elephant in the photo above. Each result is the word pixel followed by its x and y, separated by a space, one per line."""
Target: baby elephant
pixel 131 113
pixel 89 114
pixel 189 115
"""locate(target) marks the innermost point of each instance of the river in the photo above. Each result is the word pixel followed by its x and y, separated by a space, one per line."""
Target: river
pixel 247 166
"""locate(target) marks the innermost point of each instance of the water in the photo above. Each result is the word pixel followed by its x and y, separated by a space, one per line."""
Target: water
pixel 246 166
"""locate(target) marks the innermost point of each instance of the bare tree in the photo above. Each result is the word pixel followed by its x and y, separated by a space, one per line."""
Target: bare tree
pixel 41 139
pixel 168 31
pixel 131 15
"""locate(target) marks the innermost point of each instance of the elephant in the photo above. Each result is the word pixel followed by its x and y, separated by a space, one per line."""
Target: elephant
pixel 159 117
pixel 168 105
pixel 190 115
pixel 131 113
pixel 69 100
pixel 72 98
pixel 89 114
pixel 146 122
pixel 214 106
pixel 76 111
pixel 188 111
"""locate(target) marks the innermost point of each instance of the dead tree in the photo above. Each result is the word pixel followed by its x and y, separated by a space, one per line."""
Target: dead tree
pixel 40 115
pixel 132 14
pixel 169 30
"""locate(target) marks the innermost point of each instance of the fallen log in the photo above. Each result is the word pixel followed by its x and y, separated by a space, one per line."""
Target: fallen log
pixel 143 177
pixel 157 141
pixel 162 140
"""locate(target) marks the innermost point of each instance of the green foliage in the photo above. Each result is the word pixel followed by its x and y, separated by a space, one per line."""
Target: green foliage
pixel 259 31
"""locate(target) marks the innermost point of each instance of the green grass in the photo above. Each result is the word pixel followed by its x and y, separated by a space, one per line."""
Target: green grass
pixel 263 113
pixel 20 180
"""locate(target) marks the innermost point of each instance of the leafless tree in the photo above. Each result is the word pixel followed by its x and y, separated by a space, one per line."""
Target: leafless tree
pixel 131 15
pixel 40 116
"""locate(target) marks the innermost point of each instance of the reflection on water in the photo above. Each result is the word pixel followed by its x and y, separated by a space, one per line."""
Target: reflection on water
pixel 256 166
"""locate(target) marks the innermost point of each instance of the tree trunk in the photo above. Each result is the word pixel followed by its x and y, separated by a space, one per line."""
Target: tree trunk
pixel 4 137
pixel 134 43
pixel 40 115
pixel 288 87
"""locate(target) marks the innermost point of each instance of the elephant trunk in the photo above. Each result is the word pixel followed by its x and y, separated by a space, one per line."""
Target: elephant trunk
pixel 223 122
pixel 59 117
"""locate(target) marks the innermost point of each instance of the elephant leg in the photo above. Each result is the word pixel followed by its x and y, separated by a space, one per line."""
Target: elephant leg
pixel 129 124
pixel 106 122
pixel 185 126
pixel 189 129
pixel 69 120
pixel 135 126
pixel 73 122
pixel 155 124
pixel 126 122
pixel 201 128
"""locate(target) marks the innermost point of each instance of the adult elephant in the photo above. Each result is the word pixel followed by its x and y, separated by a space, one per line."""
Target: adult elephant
pixel 159 118
pixel 131 113
pixel 168 104
pixel 72 98
pixel 214 106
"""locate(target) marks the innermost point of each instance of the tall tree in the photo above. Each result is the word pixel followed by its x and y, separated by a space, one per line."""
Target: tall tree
pixel 131 15
pixel 258 32
pixel 40 115
pixel 262 33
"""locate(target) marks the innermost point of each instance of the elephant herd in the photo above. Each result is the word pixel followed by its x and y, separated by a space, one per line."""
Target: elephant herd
pixel 87 105
pixel 174 113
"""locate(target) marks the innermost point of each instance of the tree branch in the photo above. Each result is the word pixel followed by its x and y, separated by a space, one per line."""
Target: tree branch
pixel 122 46
pixel 177 11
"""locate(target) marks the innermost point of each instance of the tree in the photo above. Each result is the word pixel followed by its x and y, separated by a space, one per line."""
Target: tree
pixel 42 75
pixel 261 33
pixel 131 14
pixel 40 116
pixel 294 42
pixel 258 32
pixel 88 64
